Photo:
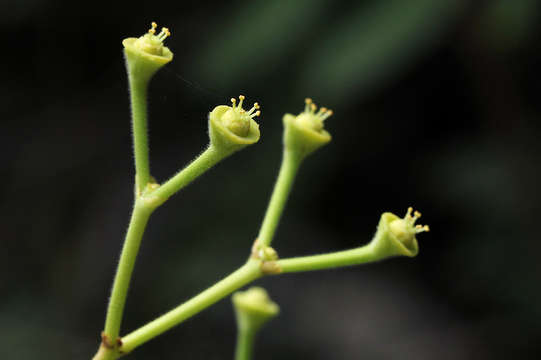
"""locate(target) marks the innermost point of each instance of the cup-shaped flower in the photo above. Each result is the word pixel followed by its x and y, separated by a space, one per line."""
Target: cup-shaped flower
pixel 304 133
pixel 396 236
pixel 253 308
pixel 231 127
pixel 147 54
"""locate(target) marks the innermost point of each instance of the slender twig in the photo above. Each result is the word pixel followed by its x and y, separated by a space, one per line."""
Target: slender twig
pixel 245 344
pixel 290 165
pixel 138 222
pixel 244 275
pixel 138 95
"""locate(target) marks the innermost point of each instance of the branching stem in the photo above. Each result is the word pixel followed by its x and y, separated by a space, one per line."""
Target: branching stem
pixel 138 222
pixel 202 163
pixel 244 275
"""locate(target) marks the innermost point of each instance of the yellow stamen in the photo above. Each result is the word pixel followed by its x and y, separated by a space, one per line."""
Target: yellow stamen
pixel 152 30
pixel 411 220
pixel 254 108
pixel 325 115
pixel 307 103
pixel 164 34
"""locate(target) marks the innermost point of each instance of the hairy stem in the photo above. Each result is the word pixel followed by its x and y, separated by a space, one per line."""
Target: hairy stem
pixel 244 275
pixel 361 255
pixel 138 95
pixel 202 163
pixel 138 222
pixel 290 165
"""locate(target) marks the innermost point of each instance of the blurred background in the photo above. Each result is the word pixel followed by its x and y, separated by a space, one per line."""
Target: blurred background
pixel 436 106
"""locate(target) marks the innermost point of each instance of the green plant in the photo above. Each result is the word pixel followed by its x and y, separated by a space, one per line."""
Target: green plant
pixel 231 128
pixel 253 308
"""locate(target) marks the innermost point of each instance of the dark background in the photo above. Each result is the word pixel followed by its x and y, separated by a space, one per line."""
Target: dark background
pixel 436 106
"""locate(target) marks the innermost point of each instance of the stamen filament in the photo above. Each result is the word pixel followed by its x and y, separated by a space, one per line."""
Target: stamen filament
pixel 254 108
pixel 411 220
pixel 241 98
pixel 257 113
pixel 326 115
pixel 307 102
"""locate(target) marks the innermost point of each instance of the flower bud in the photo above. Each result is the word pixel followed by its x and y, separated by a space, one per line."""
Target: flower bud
pixel 147 54
pixel 253 308
pixel 396 236
pixel 231 127
pixel 304 133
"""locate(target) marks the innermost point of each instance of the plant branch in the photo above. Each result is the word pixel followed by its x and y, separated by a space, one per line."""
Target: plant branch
pixel 290 165
pixel 202 163
pixel 138 222
pixel 138 95
pixel 357 256
pixel 245 344
pixel 242 276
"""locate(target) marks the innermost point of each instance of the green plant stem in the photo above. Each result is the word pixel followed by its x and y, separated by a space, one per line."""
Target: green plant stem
pixel 138 222
pixel 245 344
pixel 242 276
pixel 290 165
pixel 360 255
pixel 105 353
pixel 138 95
pixel 202 163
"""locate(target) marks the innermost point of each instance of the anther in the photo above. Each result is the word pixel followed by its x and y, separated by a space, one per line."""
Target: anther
pixel 307 103
pixel 233 101
pixel 241 98
pixel 325 115
pixel 408 214
pixel 254 108
pixel 321 110
pixel 152 30
pixel 163 34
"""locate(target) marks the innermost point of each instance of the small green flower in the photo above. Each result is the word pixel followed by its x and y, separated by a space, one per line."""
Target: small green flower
pixel 232 127
pixel 254 308
pixel 305 132
pixel 396 236
pixel 147 54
